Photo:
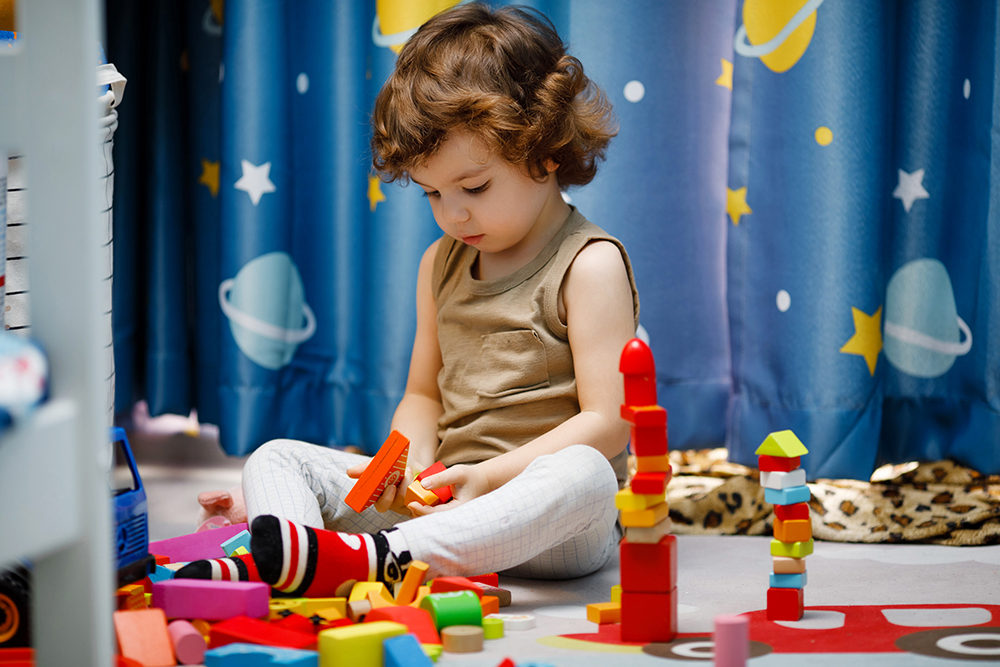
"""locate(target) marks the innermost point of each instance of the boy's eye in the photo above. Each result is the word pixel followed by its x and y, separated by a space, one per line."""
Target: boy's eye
pixel 431 193
pixel 478 188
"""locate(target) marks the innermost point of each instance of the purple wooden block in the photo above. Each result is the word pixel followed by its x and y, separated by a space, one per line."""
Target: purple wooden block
pixel 211 600
pixel 195 546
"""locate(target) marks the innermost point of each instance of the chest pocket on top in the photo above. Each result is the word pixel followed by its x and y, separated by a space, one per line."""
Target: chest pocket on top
pixel 511 362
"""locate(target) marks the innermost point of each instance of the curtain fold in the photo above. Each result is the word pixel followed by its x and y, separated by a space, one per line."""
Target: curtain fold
pixel 809 191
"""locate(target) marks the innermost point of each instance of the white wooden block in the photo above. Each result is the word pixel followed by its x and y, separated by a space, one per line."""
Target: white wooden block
pixel 783 480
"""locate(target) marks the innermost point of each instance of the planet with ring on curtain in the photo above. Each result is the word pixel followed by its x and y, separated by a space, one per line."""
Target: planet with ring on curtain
pixel 776 31
pixel 267 311
pixel 396 20
pixel 923 332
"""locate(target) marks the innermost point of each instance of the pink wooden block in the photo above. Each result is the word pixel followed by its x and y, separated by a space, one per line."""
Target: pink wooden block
pixel 211 600
pixel 732 641
pixel 195 546
pixel 189 645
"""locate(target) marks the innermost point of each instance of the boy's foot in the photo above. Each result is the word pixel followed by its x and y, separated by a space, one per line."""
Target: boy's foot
pixel 234 568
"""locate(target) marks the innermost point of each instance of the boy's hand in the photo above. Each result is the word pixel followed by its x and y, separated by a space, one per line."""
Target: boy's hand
pixel 392 494
pixel 468 482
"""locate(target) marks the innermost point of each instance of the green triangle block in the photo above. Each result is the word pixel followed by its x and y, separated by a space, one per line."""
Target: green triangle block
pixel 782 443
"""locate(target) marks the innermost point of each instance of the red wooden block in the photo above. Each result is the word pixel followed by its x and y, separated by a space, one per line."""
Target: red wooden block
pixel 648 440
pixel 645 415
pixel 143 636
pixel 387 467
pixel 649 568
pixel 767 463
pixel 447 584
pixel 296 623
pixel 254 631
pixel 490 579
pixel 784 604
pixel 649 617
pixel 794 512
pixel 650 483
pixel 444 494
pixel 417 621
pixel 637 366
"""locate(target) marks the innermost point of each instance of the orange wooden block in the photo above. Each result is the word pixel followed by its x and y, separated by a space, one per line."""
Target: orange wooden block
pixel 652 463
pixel 142 636
pixel 416 493
pixel 387 467
pixel 444 493
pixel 796 530
pixel 490 604
pixel 411 581
pixel 604 612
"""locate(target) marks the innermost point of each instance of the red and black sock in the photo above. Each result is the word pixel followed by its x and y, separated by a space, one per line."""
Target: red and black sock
pixel 233 568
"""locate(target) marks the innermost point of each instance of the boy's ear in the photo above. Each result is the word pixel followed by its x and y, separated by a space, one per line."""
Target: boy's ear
pixel 550 165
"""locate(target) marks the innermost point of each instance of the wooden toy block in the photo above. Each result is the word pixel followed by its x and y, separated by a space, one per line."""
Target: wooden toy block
pixel 645 518
pixel 636 364
pixel 616 593
pixel 731 641
pixel 417 621
pixel 453 608
pixel 256 655
pixel 358 609
pixel 377 601
pixel 795 512
pixel 414 576
pixel 645 483
pixel 387 467
pixel 791 549
pixel 195 546
pixel 650 568
pixel 416 493
pixel 306 606
pixel 446 584
pixel 796 530
pixel 645 415
pixel 433 651
pixel 361 589
pixel 783 480
pixel 782 443
pixel 462 638
pixel 492 628
pixel 143 636
pixel 502 594
pixel 444 494
pixel 202 626
pixel 784 604
pixel 296 622
pixel 240 551
pixel 797 580
pixel 767 463
pixel 354 645
pixel 490 579
pixel 132 596
pixel 241 539
pixel 161 559
pixel 652 463
pixel 490 604
pixel 516 621
pixel 648 534
pixel 626 499
pixel 786 565
pixel 189 645
pixel 211 600
pixel 422 592
pixel 507 662
pixel 648 440
pixel 649 617
pixel 789 496
pixel 246 630
pixel 404 651
pixel 604 612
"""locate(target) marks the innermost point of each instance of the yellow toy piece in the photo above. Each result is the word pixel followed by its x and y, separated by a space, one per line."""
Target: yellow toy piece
pixel 359 644
pixel 626 500
pixel 782 443
pixel 791 549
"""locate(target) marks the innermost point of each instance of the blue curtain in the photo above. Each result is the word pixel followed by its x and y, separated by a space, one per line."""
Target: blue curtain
pixel 810 195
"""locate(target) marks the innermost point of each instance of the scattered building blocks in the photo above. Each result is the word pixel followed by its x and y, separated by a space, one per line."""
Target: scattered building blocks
pixel 462 638
pixel 246 630
pixel 189 645
pixel 784 604
pixel 257 655
pixel 388 466
pixel 404 651
pixel 492 627
pixel 796 530
pixel 604 612
pixel 649 617
pixel 453 608
pixel 783 480
pixel 143 636
pixel 354 645
pixel 731 641
pixel 211 600
pixel 787 565
pixel 417 621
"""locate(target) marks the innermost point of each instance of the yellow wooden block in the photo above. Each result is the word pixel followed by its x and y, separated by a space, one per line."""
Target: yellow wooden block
pixel 782 443
pixel 645 518
pixel 362 588
pixel 433 651
pixel 240 551
pixel 305 606
pixel 359 644
pixel 652 463
pixel 377 600
pixel 626 500
pixel 422 592
pixel 411 582
pixel 791 549
pixel 616 593
pixel 604 612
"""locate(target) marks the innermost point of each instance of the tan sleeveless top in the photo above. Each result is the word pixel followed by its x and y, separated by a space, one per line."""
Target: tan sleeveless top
pixel 507 373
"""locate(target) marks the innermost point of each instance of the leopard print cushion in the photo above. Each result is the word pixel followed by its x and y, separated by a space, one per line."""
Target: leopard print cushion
pixel 939 502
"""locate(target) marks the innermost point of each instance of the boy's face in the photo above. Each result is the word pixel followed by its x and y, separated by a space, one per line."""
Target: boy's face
pixel 479 198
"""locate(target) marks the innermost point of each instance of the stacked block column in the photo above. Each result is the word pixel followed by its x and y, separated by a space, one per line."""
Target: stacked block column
pixel 784 483
pixel 648 551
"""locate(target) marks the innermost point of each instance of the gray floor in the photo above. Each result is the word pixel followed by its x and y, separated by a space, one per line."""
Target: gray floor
pixel 716 575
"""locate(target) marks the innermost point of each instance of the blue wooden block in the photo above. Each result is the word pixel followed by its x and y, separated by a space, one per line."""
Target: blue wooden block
pixel 404 651
pixel 259 655
pixel 790 580
pixel 789 496
pixel 161 574
pixel 236 541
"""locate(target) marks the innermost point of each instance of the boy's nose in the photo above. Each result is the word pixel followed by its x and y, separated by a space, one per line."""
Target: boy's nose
pixel 455 213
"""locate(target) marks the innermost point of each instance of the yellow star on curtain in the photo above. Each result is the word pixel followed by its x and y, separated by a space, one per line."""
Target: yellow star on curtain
pixel 736 204
pixel 726 78
pixel 867 338
pixel 210 176
pixel 375 192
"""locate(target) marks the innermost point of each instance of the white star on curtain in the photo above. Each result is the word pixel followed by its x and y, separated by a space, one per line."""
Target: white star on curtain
pixel 255 181
pixel 910 188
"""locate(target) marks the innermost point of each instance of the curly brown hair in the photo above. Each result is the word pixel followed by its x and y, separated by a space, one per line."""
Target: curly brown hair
pixel 503 75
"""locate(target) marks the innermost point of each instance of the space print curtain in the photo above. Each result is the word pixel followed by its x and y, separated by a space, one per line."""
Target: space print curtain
pixel 809 191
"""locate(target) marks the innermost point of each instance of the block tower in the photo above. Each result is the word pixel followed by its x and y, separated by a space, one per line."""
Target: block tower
pixel 648 551
pixel 784 482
